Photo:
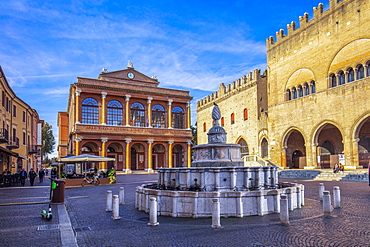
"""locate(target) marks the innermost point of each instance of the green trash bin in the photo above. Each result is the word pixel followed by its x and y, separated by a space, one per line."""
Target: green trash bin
pixel 58 192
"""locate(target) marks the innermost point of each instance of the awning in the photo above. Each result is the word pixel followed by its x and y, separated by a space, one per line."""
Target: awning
pixel 2 149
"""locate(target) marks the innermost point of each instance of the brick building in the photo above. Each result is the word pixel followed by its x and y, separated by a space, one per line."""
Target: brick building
pixel 20 131
pixel 125 115
pixel 314 109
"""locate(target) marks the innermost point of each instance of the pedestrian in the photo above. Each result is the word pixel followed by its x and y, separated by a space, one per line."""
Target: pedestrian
pixel 53 173
pixel 22 177
pixel 32 174
pixel 41 175
pixel 47 171
pixel 336 167
pixel 341 167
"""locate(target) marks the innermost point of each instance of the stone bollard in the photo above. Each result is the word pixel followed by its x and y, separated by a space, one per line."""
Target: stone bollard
pixel 302 194
pixel 116 208
pixel 336 194
pixel 216 223
pixel 326 203
pixel 321 190
pixel 284 212
pixel 153 212
pixel 109 201
pixel 121 195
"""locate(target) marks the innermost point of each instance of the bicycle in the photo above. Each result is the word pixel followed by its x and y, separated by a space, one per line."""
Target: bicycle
pixel 92 180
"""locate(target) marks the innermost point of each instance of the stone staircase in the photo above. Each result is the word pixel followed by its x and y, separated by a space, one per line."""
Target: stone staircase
pixel 326 175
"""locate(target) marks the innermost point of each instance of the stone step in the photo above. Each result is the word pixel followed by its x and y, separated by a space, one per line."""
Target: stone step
pixel 349 175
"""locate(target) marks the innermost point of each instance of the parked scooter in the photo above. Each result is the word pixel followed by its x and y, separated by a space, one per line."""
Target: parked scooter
pixel 48 215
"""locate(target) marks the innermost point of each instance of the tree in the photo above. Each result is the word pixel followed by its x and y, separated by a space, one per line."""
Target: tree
pixel 48 140
pixel 194 134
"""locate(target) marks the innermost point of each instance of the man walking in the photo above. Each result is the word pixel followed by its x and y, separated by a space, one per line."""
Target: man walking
pixel 41 175
pixel 23 176
pixel 32 174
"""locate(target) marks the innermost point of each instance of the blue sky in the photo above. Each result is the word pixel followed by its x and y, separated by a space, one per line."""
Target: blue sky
pixel 193 45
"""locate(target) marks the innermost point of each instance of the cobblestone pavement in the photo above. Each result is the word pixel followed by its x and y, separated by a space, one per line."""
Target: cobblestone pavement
pixel 94 227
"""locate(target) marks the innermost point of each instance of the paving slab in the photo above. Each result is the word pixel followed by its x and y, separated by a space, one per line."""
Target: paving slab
pixel 93 226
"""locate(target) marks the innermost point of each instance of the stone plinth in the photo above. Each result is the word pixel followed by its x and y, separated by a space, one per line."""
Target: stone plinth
pixel 233 203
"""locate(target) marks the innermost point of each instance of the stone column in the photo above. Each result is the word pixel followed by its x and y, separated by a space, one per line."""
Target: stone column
pixel 315 154
pixel 345 77
pixel 77 146
pixel 150 160
pixel 170 144
pixel 127 112
pixel 354 154
pixel 128 154
pixel 355 74
pixel 103 107
pixel 365 70
pixel 104 152
pixel 149 112
pixel 188 115
pixel 169 112
pixel 77 105
pixel 189 153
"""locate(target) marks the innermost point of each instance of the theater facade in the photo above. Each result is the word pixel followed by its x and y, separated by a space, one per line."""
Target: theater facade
pixel 125 115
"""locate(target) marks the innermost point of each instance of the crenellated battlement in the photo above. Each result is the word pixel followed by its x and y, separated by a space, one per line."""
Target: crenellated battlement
pixel 223 91
pixel 304 22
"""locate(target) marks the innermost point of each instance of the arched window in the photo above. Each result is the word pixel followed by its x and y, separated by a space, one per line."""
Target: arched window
pixel 232 118
pixel 351 75
pixel 368 68
pixel 360 72
pixel 245 114
pixel 222 122
pixel 306 89
pixel 294 93
pixel 90 111
pixel 137 115
pixel 158 116
pixel 332 80
pixel 341 80
pixel 288 95
pixel 204 127
pixel 313 87
pixel 300 91
pixel 114 113
pixel 177 118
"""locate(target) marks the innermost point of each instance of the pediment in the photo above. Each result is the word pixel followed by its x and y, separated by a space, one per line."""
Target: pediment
pixel 130 76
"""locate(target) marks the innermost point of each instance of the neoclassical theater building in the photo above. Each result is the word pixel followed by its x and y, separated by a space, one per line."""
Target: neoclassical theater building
pixel 310 108
pixel 125 115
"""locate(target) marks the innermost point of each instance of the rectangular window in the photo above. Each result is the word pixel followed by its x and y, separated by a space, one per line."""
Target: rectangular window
pixel 3 99
pixel 24 138
pixel 24 116
pixel 14 111
pixel 14 137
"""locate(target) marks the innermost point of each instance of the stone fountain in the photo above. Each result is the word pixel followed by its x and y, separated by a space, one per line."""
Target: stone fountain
pixel 218 172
